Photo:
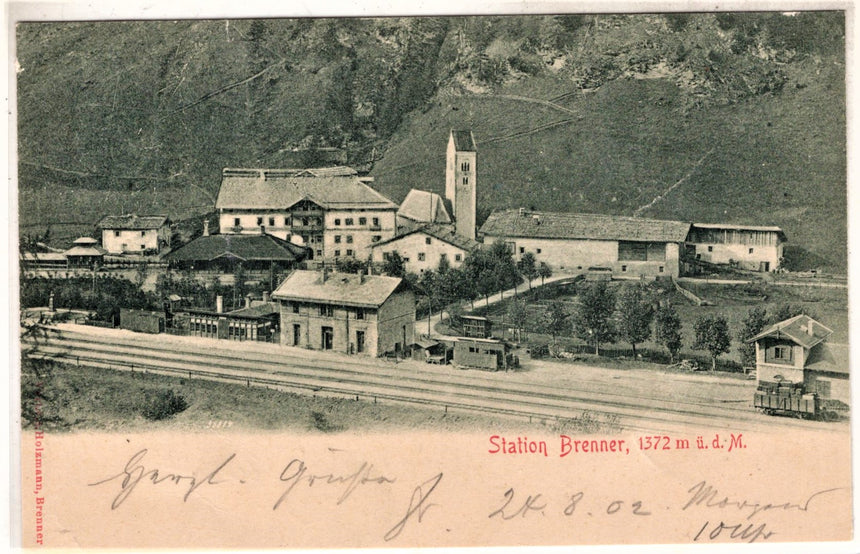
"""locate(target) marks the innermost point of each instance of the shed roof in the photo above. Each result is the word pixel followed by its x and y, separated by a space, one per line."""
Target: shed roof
pixel 831 358
pixel 280 189
pixel 422 205
pixel 244 247
pixel 343 289
pixel 800 329
pixel 553 225
pixel 464 141
pixel 132 222
pixel 444 233
pixel 260 310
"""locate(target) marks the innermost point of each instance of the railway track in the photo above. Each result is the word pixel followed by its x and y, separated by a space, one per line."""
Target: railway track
pixel 368 379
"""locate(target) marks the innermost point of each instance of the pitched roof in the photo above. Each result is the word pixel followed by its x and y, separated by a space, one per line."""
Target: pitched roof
pixel 422 205
pixel 551 225
pixel 800 329
pixel 342 289
pixel 84 251
pixel 834 358
pixel 445 233
pixel 132 222
pixel 735 227
pixel 463 141
pixel 244 247
pixel 282 188
pixel 260 310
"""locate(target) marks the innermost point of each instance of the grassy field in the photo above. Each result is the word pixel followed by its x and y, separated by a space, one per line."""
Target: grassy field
pixel 829 306
pixel 80 398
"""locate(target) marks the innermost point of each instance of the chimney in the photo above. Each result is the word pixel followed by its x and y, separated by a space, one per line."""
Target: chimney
pixel 219 304
pixel 267 297
pixel 809 328
pixel 247 300
pixel 206 227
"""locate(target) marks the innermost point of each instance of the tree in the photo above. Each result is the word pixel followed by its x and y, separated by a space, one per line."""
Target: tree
pixel 593 318
pixel 667 330
pixel 517 314
pixel 351 265
pixel 635 315
pixel 787 311
pixel 755 320
pixel 394 265
pixel 556 320
pixel 528 267
pixel 712 334
pixel 544 272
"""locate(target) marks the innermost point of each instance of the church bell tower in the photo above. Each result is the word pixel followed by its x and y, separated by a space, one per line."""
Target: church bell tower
pixel 461 181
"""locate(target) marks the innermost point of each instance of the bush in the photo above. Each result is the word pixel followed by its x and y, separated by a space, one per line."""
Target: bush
pixel 163 404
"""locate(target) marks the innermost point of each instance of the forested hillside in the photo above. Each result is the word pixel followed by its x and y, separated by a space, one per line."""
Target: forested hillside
pixel 704 117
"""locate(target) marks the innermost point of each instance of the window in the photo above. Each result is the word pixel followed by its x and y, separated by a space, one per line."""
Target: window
pixel 464 166
pixel 465 180
pixel 421 256
pixel 349 221
pixel 116 233
pixel 522 250
pixel 271 222
pixel 752 250
pixel 472 349
pixel 337 253
pixel 698 256
pixel 236 222
pixel 458 257
pixel 319 253
pixel 406 260
pixel 362 221
pixel 661 269
pixel 286 222
pixel 710 249
pixel 623 268
pixel 337 239
pixel 376 238
pixel 326 310
pixel 305 221
pixel 359 314
pixel 259 221
pixel 295 306
pixel 427 240
pixel 143 234
pixel 781 353
pixel 538 250
pixel 349 239
pixel 375 222
pixel 349 252
pixel 337 221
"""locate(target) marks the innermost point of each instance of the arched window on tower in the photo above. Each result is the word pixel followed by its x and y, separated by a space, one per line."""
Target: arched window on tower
pixel 465 180
pixel 464 166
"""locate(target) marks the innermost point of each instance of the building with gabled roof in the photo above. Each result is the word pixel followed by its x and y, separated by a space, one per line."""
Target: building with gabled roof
pixel 351 313
pixel 226 252
pixel 575 242
pixel 423 247
pixel 751 247
pixel 332 211
pixel 84 252
pixel 134 234
pixel 796 350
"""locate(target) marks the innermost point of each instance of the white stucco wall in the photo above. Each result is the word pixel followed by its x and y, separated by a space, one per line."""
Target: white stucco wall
pixel 412 245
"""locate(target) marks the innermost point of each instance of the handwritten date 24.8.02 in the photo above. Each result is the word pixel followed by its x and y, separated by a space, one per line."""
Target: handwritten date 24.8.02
pixel 514 506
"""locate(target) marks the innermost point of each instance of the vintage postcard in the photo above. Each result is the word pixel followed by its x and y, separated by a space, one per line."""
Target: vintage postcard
pixel 572 278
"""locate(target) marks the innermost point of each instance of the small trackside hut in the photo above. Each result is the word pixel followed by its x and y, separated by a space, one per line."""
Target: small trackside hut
pixel 488 354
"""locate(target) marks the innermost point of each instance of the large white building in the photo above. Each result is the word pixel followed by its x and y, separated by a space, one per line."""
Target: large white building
pixel 573 243
pixel 332 211
pixel 423 248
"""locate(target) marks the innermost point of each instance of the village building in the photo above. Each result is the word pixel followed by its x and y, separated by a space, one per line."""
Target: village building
pixel 423 248
pixel 370 315
pixel 224 253
pixel 134 234
pixel 796 350
pixel 332 211
pixel 85 253
pixel 573 243
pixel 755 248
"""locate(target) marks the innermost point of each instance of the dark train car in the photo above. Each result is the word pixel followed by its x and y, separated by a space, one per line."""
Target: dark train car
pixel 787 398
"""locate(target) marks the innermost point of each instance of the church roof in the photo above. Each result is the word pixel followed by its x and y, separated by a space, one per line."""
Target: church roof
pixel 464 141
pixel 422 205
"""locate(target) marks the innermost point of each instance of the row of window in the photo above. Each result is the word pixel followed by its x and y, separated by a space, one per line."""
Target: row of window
pixel 118 233
pixel 327 310
pixel 711 249
pixel 362 221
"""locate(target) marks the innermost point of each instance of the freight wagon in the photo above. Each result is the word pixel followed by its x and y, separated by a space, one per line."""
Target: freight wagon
pixel 792 399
